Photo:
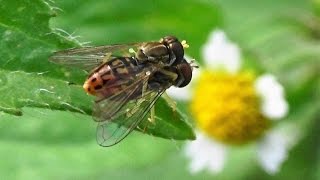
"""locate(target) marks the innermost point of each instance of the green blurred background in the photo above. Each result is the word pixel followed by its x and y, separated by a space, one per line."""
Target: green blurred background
pixel 280 37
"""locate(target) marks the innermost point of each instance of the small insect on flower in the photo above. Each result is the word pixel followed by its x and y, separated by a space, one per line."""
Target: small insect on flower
pixel 127 80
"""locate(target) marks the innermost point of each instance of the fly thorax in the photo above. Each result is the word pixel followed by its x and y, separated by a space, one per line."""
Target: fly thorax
pixel 153 52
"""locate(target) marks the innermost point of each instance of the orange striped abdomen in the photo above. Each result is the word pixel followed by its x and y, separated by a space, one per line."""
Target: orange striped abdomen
pixel 111 77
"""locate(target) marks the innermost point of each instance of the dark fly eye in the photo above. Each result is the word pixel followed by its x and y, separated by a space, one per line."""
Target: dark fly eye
pixel 94 80
pixel 175 46
pixel 178 50
pixel 184 74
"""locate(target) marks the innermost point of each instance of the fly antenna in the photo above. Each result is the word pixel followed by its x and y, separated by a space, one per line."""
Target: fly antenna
pixel 184 44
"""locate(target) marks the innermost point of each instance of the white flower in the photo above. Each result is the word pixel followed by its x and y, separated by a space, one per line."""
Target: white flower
pixel 205 152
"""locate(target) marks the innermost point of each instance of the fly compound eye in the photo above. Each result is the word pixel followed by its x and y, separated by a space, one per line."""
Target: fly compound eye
pixel 175 46
pixel 177 50
pixel 184 71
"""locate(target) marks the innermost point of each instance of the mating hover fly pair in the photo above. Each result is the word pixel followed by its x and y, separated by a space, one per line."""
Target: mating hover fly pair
pixel 127 85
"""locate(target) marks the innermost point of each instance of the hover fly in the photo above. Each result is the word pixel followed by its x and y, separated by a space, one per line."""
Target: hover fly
pixel 127 80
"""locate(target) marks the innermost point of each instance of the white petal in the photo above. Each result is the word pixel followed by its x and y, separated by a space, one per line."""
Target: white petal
pixel 219 52
pixel 184 93
pixel 205 153
pixel 273 104
pixel 274 147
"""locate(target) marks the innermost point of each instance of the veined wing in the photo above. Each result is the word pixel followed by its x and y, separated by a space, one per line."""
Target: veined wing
pixel 132 113
pixel 118 115
pixel 106 109
pixel 87 58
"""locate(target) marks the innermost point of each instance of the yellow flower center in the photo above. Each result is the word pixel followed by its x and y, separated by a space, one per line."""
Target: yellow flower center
pixel 227 108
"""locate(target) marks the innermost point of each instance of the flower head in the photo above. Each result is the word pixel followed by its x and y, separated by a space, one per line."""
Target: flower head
pixel 226 107
pixel 233 107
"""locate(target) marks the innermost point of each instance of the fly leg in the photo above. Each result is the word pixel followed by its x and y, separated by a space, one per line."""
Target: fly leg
pixel 152 118
pixel 173 77
pixel 170 101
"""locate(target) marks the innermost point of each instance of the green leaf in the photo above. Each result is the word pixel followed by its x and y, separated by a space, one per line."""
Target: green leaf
pixel 28 79
pixel 26 43
pixel 19 89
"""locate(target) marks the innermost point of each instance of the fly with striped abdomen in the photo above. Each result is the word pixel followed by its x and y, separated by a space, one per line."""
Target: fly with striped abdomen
pixel 127 86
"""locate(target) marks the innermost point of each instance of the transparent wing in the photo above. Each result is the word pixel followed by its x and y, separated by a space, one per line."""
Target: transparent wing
pixel 87 58
pixel 118 115
pixel 113 131
pixel 108 108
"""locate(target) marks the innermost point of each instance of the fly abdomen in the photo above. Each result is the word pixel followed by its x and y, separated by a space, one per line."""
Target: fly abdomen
pixel 123 66
pixel 112 76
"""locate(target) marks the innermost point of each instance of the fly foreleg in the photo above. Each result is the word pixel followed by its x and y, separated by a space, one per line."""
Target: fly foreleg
pixel 170 101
